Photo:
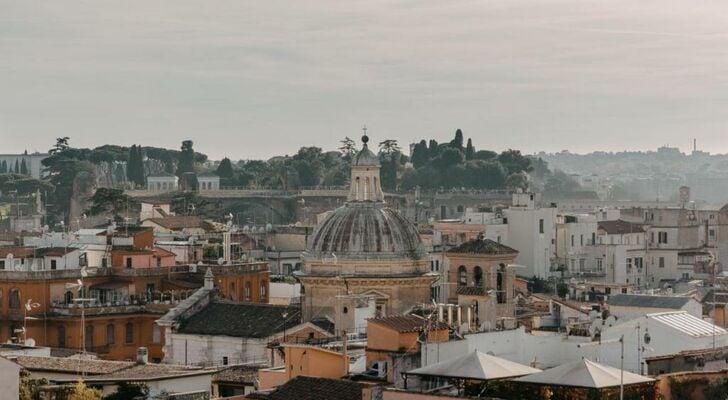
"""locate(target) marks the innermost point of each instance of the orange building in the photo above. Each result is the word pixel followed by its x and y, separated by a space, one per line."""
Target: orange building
pixel 121 306
pixel 302 360
pixel 394 343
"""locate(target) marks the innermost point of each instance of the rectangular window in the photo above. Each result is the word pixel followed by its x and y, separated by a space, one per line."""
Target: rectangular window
pixel 159 261
pixel 599 264
pixel 2 264
pixel 54 264
pixel 594 238
pixel 662 237
pixel 572 240
pixel 581 240
pixel 629 265
pixel 582 264
pixel 128 262
pixel 662 262
pixel 540 225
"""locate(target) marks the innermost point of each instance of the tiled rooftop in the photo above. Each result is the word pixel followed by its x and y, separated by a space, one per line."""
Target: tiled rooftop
pixel 408 323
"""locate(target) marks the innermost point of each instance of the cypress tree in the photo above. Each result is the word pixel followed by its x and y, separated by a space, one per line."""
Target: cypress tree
pixel 186 160
pixel 131 164
pixel 4 167
pixel 139 168
pixel 433 148
pixel 225 169
pixel 420 154
pixel 23 167
pixel 469 150
pixel 458 141
pixel 17 167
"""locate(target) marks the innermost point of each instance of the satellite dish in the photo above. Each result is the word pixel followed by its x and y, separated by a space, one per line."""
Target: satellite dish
pixel 30 342
pixel 220 261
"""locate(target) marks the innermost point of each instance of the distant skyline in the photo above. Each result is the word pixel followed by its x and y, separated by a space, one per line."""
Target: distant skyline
pixel 250 80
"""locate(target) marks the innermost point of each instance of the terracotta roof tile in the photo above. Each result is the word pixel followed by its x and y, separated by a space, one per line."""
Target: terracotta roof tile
pixel 408 323
pixel 620 227
pixel 308 388
pixel 483 246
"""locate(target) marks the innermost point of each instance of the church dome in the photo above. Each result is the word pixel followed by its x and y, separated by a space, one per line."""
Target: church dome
pixel 365 230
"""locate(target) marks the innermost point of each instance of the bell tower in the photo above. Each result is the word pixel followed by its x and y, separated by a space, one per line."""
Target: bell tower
pixel 365 183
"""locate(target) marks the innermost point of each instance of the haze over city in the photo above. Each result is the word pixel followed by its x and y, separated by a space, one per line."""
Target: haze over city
pixel 363 200
pixel 258 79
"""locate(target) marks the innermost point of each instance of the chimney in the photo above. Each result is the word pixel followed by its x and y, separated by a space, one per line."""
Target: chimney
pixel 142 355
pixel 209 279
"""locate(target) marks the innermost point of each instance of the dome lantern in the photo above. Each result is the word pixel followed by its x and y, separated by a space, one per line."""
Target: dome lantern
pixel 365 183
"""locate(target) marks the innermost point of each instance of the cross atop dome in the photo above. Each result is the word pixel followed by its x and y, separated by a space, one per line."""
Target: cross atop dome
pixel 365 138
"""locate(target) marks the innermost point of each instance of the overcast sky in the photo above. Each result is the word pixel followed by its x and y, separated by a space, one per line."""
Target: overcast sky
pixel 252 79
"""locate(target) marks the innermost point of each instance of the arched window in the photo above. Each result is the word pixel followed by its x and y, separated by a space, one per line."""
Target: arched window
pixel 462 276
pixel 478 276
pixel 110 334
pixel 14 301
pixel 357 192
pixel 68 297
pixel 156 334
pixel 61 336
pixel 500 283
pixel 129 333
pixel 263 292
pixel 231 293
pixel 247 291
pixel 89 339
pixel 366 188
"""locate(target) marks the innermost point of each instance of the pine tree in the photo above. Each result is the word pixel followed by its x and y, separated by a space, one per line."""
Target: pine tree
pixel 469 150
pixel 23 168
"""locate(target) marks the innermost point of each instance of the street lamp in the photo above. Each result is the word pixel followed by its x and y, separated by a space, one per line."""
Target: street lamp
pixel 285 316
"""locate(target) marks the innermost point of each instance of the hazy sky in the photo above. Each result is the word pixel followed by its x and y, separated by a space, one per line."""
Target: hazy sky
pixel 251 79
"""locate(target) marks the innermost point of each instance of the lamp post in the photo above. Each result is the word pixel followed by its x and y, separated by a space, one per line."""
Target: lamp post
pixel 285 316
pixel 640 348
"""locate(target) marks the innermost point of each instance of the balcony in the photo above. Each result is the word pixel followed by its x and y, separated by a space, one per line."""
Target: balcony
pixel 125 305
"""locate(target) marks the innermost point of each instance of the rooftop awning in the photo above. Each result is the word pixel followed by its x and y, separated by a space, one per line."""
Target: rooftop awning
pixel 585 374
pixel 476 366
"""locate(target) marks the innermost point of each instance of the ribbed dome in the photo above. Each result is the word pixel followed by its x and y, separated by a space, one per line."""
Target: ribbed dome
pixel 365 231
pixel 365 157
